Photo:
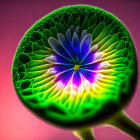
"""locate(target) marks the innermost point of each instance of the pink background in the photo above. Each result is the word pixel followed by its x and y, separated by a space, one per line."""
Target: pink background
pixel 16 16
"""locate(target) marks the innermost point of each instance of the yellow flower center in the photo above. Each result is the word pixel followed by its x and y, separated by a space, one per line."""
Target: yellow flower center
pixel 76 67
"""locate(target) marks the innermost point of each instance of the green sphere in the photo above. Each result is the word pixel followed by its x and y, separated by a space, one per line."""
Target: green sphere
pixel 76 66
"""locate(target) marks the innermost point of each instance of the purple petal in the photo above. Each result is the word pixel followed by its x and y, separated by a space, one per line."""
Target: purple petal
pixel 88 59
pixel 76 46
pixel 65 77
pixel 88 75
pixel 62 68
pixel 62 60
pixel 93 67
pixel 77 78
pixel 85 46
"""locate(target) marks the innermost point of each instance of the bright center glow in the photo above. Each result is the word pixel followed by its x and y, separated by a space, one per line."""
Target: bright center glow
pixel 76 67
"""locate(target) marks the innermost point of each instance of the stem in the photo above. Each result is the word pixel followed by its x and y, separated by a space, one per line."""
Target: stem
pixel 126 124
pixel 84 134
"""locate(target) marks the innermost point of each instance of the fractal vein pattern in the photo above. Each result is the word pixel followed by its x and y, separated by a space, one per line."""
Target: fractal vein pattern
pixel 76 68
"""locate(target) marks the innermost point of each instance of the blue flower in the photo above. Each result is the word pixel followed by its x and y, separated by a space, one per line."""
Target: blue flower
pixel 74 60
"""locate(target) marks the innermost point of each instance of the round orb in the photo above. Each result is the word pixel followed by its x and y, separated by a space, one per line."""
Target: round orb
pixel 76 66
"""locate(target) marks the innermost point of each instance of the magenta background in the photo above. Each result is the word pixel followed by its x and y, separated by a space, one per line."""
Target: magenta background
pixel 16 16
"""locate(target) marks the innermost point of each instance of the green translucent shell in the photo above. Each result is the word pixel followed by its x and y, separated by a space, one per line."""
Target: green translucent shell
pixel 114 90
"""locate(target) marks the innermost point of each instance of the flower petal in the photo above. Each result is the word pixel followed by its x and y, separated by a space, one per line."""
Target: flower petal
pixel 66 44
pixel 58 48
pixel 85 46
pixel 76 79
pixel 59 85
pixel 71 28
pixel 61 39
pixel 87 84
pixel 94 48
pixel 81 87
pixel 88 59
pixel 83 34
pixel 98 56
pixel 92 57
pixel 62 60
pixel 65 77
pixel 76 46
pixel 68 34
pixel 88 75
pixel 77 30
pixel 62 68
pixel 51 70
pixel 51 59
pixel 103 65
pixel 92 67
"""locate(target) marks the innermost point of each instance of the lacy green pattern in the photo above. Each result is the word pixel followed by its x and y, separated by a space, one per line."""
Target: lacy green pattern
pixel 113 87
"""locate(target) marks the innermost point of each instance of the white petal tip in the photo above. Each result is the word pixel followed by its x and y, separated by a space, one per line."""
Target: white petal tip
pixel 59 85
pixel 80 90
pixel 51 59
pixel 51 71
pixel 94 48
pixel 99 76
pixel 73 93
pixel 94 86
pixel 99 55
pixel 104 65
pixel 87 84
